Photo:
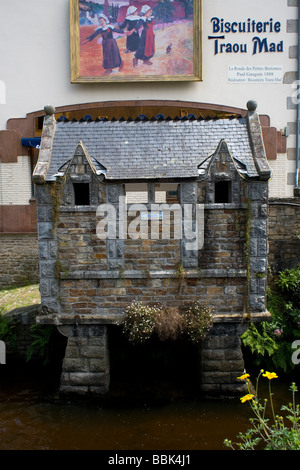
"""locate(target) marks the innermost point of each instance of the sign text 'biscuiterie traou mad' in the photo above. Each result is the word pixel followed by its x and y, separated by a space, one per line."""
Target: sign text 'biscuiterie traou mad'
pixel 263 36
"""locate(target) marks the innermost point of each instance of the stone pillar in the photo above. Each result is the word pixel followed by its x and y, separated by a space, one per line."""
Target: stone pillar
pixel 222 360
pixel 188 196
pixel 115 247
pixel 258 246
pixel 47 245
pixel 85 369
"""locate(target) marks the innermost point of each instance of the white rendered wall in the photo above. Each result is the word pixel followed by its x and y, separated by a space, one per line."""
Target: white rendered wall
pixel 35 64
pixel 15 182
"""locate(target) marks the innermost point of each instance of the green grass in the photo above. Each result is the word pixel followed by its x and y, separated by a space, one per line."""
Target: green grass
pixel 16 297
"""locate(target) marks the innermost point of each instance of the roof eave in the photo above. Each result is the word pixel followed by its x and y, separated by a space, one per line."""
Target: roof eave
pixel 257 143
pixel 41 169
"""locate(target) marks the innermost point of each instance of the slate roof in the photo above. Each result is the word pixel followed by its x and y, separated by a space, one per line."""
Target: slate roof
pixel 152 149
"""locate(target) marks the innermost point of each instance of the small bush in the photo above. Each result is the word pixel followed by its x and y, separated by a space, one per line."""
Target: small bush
pixel 141 321
pixel 198 321
pixel 40 344
pixel 271 342
pixel 8 331
pixel 289 284
pixel 169 324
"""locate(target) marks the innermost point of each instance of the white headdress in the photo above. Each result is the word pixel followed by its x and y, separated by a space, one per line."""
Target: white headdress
pixel 145 8
pixel 132 13
pixel 105 19
pixel 131 10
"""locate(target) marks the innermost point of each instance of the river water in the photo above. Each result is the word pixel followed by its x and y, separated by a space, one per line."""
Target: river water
pixel 33 417
pixel 30 422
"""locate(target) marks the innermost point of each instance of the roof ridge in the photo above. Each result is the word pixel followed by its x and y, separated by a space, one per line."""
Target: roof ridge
pixel 143 118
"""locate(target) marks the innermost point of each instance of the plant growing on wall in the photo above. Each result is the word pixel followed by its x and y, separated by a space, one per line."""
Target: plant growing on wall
pixel 141 321
pixel 169 323
pixel 198 321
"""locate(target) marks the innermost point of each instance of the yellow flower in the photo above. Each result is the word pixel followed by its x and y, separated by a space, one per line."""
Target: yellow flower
pixel 270 375
pixel 247 397
pixel 243 377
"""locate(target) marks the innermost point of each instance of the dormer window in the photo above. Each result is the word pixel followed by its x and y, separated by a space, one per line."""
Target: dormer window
pixel 81 194
pixel 223 192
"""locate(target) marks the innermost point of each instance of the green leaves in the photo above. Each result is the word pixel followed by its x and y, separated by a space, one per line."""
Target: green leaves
pixel 40 344
pixel 270 434
pixel 259 340
pixel 274 339
pixel 8 331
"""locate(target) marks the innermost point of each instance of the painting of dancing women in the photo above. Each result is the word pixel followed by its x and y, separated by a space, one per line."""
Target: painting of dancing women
pixel 110 51
pixel 135 40
pixel 146 48
pixel 131 24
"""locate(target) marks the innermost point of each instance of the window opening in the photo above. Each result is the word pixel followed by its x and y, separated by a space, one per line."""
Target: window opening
pixel 136 193
pixel 222 192
pixel 166 193
pixel 82 194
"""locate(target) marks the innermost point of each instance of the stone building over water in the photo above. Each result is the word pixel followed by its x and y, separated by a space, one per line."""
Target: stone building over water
pixel 88 278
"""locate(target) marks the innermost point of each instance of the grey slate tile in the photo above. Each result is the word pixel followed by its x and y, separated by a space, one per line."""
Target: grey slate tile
pixel 160 149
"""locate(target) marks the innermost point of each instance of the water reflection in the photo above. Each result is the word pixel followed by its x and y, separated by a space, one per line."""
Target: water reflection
pixel 32 420
pixel 32 417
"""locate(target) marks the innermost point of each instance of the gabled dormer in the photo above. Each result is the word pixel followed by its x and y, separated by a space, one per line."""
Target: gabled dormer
pixel 81 176
pixel 222 174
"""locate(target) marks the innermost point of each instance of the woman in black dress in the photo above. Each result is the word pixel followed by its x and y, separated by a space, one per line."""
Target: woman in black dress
pixel 146 47
pixel 130 24
pixel 111 53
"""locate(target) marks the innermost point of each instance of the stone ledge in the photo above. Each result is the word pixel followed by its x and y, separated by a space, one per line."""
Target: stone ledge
pixel 73 208
pixel 135 274
pixel 115 317
pixel 215 206
pixel 61 319
pixel 227 205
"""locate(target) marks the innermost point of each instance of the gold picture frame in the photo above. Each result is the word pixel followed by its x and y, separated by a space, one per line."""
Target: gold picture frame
pixel 100 52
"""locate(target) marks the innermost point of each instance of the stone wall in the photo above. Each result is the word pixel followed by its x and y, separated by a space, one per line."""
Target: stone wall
pixel 22 318
pixel 284 233
pixel 224 238
pixel 109 296
pixel 222 359
pixel 86 361
pixel 19 264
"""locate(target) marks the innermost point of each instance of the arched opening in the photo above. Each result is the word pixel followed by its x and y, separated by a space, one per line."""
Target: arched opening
pixel 155 369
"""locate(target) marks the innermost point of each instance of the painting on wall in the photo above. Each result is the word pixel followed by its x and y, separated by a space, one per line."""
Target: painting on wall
pixel 135 40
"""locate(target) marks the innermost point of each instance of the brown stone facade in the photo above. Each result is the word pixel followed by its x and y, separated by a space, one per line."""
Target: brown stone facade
pixel 19 262
pixel 284 234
